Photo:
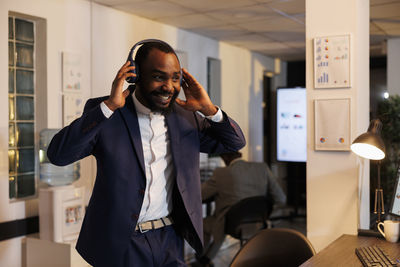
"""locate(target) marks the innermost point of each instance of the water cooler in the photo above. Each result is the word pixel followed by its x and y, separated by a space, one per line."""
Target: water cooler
pixel 61 212
pixel 61 205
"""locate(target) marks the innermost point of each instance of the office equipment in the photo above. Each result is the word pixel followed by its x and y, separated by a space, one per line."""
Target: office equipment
pixel 291 124
pixel 274 247
pixel 370 145
pixel 341 251
pixel 374 256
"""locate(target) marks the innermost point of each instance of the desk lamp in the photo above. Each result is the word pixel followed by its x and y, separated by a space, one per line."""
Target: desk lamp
pixel 370 145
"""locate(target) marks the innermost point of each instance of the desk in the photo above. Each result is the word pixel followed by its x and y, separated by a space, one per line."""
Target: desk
pixel 342 251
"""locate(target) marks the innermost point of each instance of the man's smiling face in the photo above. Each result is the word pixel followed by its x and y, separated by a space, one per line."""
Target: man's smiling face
pixel 159 83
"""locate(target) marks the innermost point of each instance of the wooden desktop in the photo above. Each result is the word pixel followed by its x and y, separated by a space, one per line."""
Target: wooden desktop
pixel 341 252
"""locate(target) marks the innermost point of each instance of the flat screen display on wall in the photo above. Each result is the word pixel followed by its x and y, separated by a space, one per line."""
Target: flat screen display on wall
pixel 291 124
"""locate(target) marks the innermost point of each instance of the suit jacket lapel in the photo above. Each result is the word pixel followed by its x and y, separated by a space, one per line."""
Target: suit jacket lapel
pixel 129 115
pixel 174 133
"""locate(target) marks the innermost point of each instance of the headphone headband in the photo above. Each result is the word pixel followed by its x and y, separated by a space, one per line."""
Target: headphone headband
pixel 130 58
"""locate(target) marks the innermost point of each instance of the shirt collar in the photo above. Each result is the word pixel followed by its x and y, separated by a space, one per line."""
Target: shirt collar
pixel 139 106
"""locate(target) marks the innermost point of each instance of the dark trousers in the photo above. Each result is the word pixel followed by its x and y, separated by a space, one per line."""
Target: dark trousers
pixel 155 248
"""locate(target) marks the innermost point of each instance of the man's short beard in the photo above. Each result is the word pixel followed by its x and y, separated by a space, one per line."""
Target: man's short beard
pixel 164 111
pixel 167 110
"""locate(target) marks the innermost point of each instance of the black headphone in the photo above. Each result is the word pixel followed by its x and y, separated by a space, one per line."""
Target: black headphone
pixel 132 61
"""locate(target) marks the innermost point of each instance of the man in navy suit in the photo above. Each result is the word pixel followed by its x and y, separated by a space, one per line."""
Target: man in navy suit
pixel 146 141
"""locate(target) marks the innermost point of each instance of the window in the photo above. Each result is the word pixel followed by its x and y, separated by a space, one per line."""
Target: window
pixel 21 101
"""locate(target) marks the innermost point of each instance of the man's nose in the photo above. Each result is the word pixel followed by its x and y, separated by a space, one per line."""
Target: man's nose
pixel 169 85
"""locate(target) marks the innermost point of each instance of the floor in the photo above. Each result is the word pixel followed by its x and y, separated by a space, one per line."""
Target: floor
pixel 231 246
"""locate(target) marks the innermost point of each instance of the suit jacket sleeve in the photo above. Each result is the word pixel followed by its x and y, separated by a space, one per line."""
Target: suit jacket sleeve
pixel 220 137
pixel 77 140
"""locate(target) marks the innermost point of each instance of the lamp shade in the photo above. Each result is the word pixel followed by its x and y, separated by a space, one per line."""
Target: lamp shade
pixel 370 144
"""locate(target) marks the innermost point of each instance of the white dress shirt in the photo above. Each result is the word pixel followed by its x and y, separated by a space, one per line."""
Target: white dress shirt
pixel 157 202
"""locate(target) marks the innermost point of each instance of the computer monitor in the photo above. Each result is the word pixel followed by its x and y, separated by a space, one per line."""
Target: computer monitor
pixel 395 207
pixel 291 124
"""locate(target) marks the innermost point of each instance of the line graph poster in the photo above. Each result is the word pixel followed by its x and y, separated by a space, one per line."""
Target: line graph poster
pixel 332 62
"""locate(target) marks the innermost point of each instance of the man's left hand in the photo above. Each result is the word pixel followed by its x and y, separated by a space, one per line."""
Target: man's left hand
pixel 197 98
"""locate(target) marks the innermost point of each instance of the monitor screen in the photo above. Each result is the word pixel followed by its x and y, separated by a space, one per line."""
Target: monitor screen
pixel 395 208
pixel 291 135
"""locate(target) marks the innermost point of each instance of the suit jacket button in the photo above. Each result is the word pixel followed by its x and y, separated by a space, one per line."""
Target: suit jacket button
pixel 135 217
pixel 141 191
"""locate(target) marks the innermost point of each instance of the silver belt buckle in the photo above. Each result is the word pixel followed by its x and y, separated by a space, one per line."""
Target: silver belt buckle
pixel 141 230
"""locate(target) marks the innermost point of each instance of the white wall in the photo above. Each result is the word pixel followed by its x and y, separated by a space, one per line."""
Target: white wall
pixel 332 177
pixel 103 37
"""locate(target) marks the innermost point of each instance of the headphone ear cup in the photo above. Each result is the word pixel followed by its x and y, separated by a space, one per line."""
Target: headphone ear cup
pixel 135 71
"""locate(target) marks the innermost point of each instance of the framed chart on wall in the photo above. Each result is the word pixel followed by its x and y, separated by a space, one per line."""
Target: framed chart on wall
pixel 332 124
pixel 332 62
pixel 72 72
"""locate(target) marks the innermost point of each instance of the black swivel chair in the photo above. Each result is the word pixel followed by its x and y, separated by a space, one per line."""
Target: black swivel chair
pixel 277 247
pixel 245 218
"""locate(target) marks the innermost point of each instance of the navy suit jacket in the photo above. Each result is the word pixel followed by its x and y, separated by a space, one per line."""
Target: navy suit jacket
pixel 118 192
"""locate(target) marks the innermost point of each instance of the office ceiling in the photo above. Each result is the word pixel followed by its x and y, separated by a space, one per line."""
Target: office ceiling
pixel 274 28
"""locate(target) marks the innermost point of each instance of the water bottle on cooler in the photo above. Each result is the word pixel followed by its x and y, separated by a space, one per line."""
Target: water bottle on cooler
pixel 49 173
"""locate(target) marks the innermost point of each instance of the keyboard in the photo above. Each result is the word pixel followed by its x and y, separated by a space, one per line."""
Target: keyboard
pixel 374 256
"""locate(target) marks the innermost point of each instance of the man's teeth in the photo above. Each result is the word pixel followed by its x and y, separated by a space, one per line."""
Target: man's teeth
pixel 165 97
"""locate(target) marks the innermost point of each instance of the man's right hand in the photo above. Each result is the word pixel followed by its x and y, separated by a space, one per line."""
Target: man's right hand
pixel 118 95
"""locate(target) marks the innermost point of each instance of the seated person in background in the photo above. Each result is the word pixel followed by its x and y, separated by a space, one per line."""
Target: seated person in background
pixel 228 185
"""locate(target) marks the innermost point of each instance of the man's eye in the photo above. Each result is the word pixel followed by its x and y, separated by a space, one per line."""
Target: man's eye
pixel 176 78
pixel 158 77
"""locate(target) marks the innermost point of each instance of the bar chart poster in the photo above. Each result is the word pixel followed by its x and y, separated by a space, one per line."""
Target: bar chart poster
pixel 332 62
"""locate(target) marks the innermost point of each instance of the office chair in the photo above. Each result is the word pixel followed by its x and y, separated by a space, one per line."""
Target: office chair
pixel 245 218
pixel 274 247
